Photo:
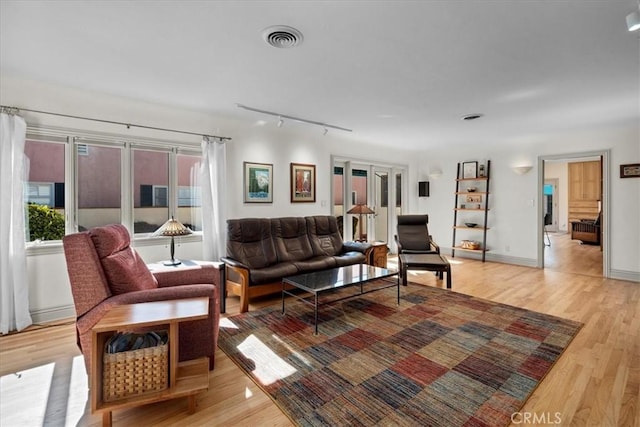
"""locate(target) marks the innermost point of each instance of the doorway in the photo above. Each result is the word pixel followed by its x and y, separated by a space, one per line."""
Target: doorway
pixel 550 202
pixel 567 254
pixel 377 186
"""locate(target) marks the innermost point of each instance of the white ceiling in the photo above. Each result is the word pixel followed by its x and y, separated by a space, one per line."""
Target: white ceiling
pixel 396 72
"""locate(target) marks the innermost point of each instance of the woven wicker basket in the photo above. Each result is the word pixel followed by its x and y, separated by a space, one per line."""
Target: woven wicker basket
pixel 131 373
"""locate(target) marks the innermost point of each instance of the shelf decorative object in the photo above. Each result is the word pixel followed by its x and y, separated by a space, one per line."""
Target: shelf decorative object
pixel 472 199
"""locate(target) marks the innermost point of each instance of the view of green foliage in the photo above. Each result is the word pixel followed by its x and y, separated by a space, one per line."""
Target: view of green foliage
pixel 45 223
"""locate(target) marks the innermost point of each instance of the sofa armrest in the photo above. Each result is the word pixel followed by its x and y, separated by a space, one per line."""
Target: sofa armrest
pixel 235 263
pixel 361 247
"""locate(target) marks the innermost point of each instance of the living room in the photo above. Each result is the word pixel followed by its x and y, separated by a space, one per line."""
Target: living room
pixel 516 227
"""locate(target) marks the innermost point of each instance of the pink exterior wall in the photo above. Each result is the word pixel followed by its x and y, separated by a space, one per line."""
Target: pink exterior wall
pixel 149 168
pixel 99 178
pixel 46 161
pixel 185 165
pixel 358 184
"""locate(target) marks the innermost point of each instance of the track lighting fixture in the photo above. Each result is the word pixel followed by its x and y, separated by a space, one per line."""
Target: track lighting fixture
pixel 325 131
pixel 633 21
pixel 326 126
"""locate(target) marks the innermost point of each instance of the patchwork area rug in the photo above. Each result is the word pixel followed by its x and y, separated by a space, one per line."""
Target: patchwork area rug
pixel 440 358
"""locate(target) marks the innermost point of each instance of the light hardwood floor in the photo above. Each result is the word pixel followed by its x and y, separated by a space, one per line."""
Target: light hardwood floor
pixel 595 383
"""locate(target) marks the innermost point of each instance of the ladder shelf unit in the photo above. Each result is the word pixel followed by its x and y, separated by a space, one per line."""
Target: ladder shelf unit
pixel 471 199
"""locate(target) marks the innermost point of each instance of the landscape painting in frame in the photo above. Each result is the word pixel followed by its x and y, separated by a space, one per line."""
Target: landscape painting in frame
pixel 258 182
pixel 303 183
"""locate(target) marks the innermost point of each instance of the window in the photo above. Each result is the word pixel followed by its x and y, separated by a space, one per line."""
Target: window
pixel 189 191
pixel 44 188
pixel 99 190
pixel 161 196
pixel 151 190
pixel 137 183
pixel 40 193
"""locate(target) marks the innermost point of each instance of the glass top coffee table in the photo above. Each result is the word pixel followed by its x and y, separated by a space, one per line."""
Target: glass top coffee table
pixel 324 281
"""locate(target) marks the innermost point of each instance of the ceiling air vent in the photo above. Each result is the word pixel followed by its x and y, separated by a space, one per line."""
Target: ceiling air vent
pixel 282 37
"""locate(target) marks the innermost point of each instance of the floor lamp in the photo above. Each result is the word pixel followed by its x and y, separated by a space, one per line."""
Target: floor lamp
pixel 360 210
pixel 172 228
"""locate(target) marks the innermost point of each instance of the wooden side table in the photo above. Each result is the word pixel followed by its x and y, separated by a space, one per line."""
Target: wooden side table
pixel 185 378
pixel 378 255
pixel 218 277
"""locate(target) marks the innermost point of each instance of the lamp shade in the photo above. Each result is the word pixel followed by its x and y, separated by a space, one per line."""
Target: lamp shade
pixel 172 227
pixel 360 210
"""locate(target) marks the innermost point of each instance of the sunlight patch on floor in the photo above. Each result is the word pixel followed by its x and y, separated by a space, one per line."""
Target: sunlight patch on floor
pixel 25 395
pixel 268 366
pixel 226 323
pixel 78 392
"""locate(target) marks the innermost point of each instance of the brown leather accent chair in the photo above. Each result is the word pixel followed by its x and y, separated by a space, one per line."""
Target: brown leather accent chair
pixel 105 271
pixel 413 235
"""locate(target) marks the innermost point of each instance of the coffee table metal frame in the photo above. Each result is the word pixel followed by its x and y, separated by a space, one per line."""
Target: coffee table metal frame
pixel 322 281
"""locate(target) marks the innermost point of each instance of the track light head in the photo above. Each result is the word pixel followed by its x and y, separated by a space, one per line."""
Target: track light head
pixel 325 131
pixel 633 21
pixel 280 122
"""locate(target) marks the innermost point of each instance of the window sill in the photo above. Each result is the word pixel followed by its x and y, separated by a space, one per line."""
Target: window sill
pixel 55 246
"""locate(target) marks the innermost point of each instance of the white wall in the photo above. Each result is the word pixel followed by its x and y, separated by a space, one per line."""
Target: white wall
pixel 49 289
pixel 512 219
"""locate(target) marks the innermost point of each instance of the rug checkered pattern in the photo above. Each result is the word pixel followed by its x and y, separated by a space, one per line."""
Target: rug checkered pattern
pixel 440 358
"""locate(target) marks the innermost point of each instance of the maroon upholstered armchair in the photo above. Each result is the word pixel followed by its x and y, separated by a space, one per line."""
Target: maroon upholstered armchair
pixel 105 271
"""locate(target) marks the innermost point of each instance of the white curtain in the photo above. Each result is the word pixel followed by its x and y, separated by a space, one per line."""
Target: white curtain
pixel 14 290
pixel 214 175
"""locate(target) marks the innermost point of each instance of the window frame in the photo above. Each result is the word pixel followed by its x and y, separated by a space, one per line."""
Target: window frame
pixel 73 137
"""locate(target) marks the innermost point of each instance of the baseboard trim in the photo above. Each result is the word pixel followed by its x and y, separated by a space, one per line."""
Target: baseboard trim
pixel 53 314
pixel 633 276
pixel 504 259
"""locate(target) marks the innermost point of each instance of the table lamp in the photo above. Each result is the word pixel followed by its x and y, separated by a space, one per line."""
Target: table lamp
pixel 172 228
pixel 360 210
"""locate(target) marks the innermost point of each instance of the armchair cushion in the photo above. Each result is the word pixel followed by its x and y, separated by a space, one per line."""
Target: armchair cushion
pixel 413 235
pixel 125 270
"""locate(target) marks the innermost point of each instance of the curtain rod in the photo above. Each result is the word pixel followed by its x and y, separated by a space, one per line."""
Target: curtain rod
pixel 15 110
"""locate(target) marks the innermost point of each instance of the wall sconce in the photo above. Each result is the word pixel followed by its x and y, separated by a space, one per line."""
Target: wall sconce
pixel 423 189
pixel 435 173
pixel 521 170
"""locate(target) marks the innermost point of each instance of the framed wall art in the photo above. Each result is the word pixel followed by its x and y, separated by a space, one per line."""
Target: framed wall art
pixel 258 182
pixel 303 183
pixel 630 171
pixel 469 170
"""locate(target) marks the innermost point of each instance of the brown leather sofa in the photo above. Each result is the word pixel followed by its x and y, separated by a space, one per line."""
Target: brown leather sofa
pixel 261 251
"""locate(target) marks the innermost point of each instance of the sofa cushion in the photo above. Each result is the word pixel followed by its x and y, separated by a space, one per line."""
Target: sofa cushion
pixel 124 268
pixel 324 235
pixel 272 273
pixel 249 241
pixel 315 263
pixel 291 239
